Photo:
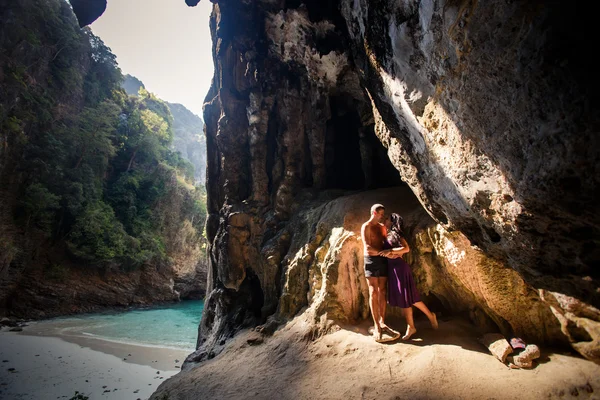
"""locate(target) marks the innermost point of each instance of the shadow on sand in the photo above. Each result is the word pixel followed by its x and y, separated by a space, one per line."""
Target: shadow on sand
pixel 452 331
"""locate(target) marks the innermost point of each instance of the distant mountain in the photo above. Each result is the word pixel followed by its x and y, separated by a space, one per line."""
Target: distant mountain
pixel 189 139
pixel 188 128
pixel 132 85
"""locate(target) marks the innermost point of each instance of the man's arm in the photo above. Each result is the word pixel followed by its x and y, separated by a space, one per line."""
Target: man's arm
pixel 363 235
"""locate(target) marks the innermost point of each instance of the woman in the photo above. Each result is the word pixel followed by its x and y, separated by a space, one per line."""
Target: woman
pixel 402 291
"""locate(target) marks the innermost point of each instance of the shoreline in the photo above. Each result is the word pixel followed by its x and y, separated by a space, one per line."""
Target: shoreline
pixel 164 358
pixel 49 365
pixel 114 309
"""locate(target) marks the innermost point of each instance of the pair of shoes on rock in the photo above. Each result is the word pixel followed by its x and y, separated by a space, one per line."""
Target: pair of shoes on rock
pixel 525 358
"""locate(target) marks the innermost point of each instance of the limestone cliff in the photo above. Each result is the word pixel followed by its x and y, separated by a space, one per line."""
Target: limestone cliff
pixel 189 140
pixel 188 131
pixel 486 111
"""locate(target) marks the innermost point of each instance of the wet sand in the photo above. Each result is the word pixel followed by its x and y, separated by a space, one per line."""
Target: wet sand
pixel 33 366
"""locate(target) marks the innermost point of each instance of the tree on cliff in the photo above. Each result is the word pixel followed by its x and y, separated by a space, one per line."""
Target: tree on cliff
pixel 188 130
pixel 83 164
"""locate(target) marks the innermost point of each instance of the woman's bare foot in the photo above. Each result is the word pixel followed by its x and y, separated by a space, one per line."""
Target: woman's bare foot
pixel 409 332
pixel 434 323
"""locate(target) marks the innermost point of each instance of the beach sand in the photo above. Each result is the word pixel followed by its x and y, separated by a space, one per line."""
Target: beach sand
pixel 449 364
pixel 46 367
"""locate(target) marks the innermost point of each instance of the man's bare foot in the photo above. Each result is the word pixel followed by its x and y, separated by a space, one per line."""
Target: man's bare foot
pixel 377 335
pixel 409 332
pixel 375 331
pixel 434 323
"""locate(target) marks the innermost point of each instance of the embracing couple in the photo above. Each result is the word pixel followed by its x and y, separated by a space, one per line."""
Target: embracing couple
pixel 384 245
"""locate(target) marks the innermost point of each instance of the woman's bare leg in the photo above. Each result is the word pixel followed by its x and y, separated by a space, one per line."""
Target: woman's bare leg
pixel 410 323
pixel 432 318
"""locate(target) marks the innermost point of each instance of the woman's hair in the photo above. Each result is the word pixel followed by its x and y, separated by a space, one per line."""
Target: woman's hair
pixel 396 230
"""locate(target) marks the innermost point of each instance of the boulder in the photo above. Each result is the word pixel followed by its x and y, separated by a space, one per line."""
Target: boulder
pixel 497 345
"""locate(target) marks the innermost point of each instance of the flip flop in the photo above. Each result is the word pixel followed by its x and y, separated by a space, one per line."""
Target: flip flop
pixel 391 331
pixel 386 337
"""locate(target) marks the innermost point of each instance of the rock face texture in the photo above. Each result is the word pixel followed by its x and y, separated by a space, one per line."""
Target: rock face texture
pixel 88 11
pixel 481 115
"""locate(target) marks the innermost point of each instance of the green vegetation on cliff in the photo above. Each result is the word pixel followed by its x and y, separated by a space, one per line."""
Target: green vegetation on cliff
pixel 84 166
pixel 188 130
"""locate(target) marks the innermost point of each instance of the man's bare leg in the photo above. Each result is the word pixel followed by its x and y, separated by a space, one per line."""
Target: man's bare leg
pixel 383 305
pixel 374 305
pixel 410 323
pixel 382 285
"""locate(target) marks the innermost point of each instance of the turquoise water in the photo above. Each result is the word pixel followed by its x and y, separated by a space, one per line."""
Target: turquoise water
pixel 174 326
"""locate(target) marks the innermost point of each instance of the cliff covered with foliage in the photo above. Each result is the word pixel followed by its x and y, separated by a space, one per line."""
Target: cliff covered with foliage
pixel 188 131
pixel 96 209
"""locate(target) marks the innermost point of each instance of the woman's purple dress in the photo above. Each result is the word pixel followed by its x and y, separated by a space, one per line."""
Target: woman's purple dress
pixel 402 291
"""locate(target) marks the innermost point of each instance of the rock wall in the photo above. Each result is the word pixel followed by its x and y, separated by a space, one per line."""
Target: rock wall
pixel 485 111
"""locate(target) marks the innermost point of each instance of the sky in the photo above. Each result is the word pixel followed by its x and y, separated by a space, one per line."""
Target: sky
pixel 163 43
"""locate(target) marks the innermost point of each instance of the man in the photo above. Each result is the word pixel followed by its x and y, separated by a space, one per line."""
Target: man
pixel 376 271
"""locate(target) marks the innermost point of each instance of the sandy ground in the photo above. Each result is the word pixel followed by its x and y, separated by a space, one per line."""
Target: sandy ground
pixel 43 367
pixel 448 363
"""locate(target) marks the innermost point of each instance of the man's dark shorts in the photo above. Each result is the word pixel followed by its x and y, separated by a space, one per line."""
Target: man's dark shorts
pixel 376 267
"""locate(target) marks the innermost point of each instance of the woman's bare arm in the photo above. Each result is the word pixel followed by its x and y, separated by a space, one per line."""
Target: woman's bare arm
pixel 396 251
pixel 404 247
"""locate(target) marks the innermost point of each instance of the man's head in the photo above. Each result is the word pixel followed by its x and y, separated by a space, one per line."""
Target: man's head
pixel 378 212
